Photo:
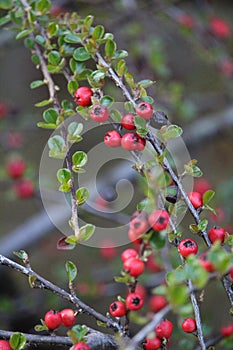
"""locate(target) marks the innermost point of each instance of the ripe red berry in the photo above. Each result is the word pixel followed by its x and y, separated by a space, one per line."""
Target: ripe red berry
pixel 144 110
pixel 24 188
pixel 82 96
pixel 133 142
pixel 117 309
pixel 128 253
pixel 134 266
pixel 196 199
pixel 227 330
pixel 112 138
pixel 152 344
pixel 205 263
pixel 187 247
pixel 127 122
pixel 52 319
pixel 15 168
pixel 80 346
pixel 220 28
pixel 139 223
pixel 134 301
pixel 157 302
pixel 134 237
pixel 159 220
pixel 231 273
pixel 189 325
pixel 67 317
pixel 99 113
pixel 5 345
pixel 164 329
pixel 217 234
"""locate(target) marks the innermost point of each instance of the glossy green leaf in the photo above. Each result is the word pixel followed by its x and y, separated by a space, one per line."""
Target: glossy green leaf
pixel 57 147
pixel 54 57
pixel 18 341
pixel 79 158
pixel 97 76
pixel 43 6
pixel 32 279
pixel 80 54
pixel 71 270
pixel 64 175
pixel 203 225
pixel 37 83
pixel 23 33
pixel 140 124
pixel 72 39
pixel 116 115
pixel 46 125
pixel 40 40
pixel 4 20
pixel 88 21
pixel 21 254
pixel 5 4
pixel 207 196
pixel 50 115
pixel 221 259
pixel 146 83
pixel 121 68
pixel 130 80
pixel 110 48
pixel 82 195
pixel 98 32
pixel 52 29
pixel 119 54
pixel 43 103
pixel 35 59
pixel 77 333
pixel 172 131
pixel 86 232
pixel 74 131
pixel 177 294
pixel 107 100
pixel 129 107
pixel 157 240
pixel 195 272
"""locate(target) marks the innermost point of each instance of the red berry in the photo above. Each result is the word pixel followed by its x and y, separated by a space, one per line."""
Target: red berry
pixel 186 20
pixel 99 113
pixel 201 185
pixel 187 247
pixel 117 309
pixel 152 344
pixel 152 265
pixel 112 138
pixel 132 142
pixel 220 28
pixel 164 329
pixel 144 110
pixel 52 319
pixel 5 345
pixel 157 302
pixel 134 266
pixel 127 122
pixel 4 110
pixel 108 250
pixel 189 325
pixel 82 96
pixel 227 330
pixel 196 199
pixel 134 301
pixel 217 234
pixel 15 168
pixel 80 346
pixel 67 317
pixel 134 237
pixel 231 273
pixel 141 290
pixel 139 223
pixel 159 220
pixel 128 253
pixel 206 264
pixel 24 188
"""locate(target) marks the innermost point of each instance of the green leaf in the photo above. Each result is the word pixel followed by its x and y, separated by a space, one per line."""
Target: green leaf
pixel 43 6
pixel 88 21
pixel 74 131
pixel 57 147
pixel 5 4
pixel 43 103
pixel 177 294
pixel 107 101
pixel 124 279
pixel 195 272
pixel 72 86
pixel 146 83
pixel 203 225
pixel 172 131
pixel 80 54
pixel 32 279
pixel 194 228
pixel 52 29
pixel 157 240
pixel 148 99
pixel 50 115
pixel 21 254
pixel 116 115
pixel 62 244
pixel 54 58
pixel 82 195
pixel 98 32
pixel 110 48
pixel 79 158
pixel 77 333
pixel 140 124
pixel 35 84
pixel 46 125
pixel 17 341
pixel 97 76
pixel 72 39
pixel 221 259
pixel 119 54
pixel 23 33
pixel 86 232
pixel 121 68
pixel 41 327
pixel 40 40
pixel 137 319
pixel 71 270
pixel 4 20
pixel 129 107
pixel 35 59
pixel 207 196
pixel 63 175
pixel 160 290
pixel 130 80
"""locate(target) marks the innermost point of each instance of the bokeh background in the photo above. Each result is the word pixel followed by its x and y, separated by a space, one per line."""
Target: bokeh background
pixel 193 69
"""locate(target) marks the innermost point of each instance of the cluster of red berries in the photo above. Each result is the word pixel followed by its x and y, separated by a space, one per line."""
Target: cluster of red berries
pixel 140 223
pixel 15 168
pixel 163 330
pixel 54 319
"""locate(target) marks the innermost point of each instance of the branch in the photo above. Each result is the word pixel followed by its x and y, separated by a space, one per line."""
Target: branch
pixel 42 283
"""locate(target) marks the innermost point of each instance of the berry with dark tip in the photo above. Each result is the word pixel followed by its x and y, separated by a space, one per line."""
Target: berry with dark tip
pixel 117 309
pixel 144 110
pixel 82 96
pixel 159 220
pixel 134 301
pixel 99 113
pixel 187 247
